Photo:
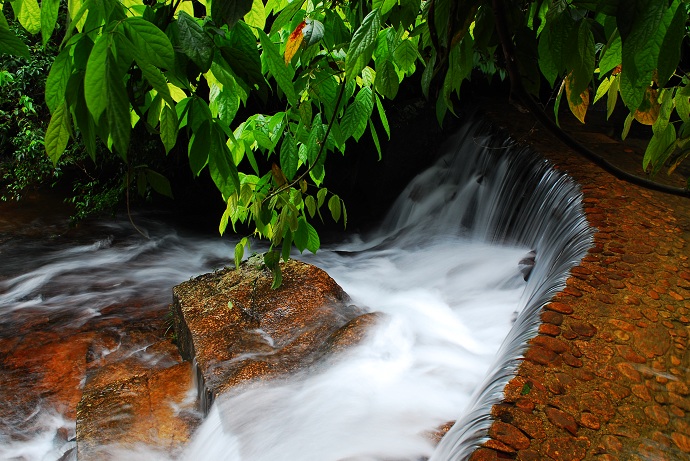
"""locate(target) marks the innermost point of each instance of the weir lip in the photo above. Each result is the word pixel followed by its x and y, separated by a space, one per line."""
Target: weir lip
pixel 612 350
pixel 541 208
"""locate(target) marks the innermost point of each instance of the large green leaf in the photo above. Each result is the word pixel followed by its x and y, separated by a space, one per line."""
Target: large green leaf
pixel 58 133
pixel 386 82
pixel 641 46
pixel 242 54
pixel 281 72
pixel 362 45
pixel 659 148
pixel 581 59
pixel 256 16
pixel 612 54
pixel 9 42
pixel 230 11
pixel 95 76
pixel 118 110
pixel 547 63
pixel 56 83
pixel 674 21
pixel 29 15
pixel 199 147
pixel 223 170
pixel 194 42
pixel 150 42
pixel 354 121
pixel 289 160
pixel 168 127
pixel 49 15
pixel 158 182
pixel 406 55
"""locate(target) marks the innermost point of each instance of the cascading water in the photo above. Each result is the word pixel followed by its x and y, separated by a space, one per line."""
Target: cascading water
pixel 444 268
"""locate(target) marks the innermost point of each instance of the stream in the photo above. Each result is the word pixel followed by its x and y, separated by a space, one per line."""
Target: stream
pixel 448 266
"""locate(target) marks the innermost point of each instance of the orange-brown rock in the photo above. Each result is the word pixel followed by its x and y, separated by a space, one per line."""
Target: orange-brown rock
pixel 136 399
pixel 239 329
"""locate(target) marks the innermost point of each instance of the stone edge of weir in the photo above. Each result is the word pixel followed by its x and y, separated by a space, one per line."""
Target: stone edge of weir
pixel 606 377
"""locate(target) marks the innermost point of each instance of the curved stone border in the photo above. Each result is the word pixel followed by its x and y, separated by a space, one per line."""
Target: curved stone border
pixel 607 376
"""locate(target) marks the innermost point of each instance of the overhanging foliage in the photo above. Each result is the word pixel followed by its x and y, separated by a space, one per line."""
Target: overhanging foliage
pixel 321 70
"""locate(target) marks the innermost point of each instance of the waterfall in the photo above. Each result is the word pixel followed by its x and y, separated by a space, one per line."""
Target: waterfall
pixel 447 267
pixel 523 200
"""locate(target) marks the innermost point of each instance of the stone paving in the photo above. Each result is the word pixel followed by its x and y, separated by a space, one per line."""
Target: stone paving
pixel 608 376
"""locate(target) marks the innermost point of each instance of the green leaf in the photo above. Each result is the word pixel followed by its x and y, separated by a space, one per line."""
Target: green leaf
pixel 242 54
pixel 287 245
pixel 669 54
pixel 362 45
pixel 603 88
pixel 194 42
pixel 151 42
pixel 96 98
pixel 28 14
pixel 405 56
pixel 682 102
pixel 9 42
pixel 386 82
pixel 659 148
pixel 199 147
pixel 641 47
pixel 334 206
pixel 321 196
pixel 58 133
pixel 118 110
pixel 168 127
pixel 277 277
pixel 256 16
pixel 282 73
pixel 626 125
pixel 382 116
pixel 384 5
pixel 56 84
pixel 310 203
pixel 289 159
pixel 159 183
pixel 375 138
pixel 612 97
pixel 223 170
pixel 301 235
pixel 313 241
pixel 230 11
pixel 557 104
pixel 49 15
pixel 581 60
pixel 354 121
pixel 286 15
pixel 239 254
pixel 428 74
pixel 612 54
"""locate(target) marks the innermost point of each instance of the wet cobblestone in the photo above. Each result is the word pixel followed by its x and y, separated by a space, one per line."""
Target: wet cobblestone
pixel 608 372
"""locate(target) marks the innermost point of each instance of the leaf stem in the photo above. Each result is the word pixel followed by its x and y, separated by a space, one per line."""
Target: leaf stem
pixel 321 149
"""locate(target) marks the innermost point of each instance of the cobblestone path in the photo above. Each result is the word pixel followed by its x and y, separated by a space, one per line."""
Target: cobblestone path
pixel 608 376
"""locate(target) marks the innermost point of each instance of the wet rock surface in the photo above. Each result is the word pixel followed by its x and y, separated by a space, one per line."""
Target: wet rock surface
pixel 607 376
pixel 238 329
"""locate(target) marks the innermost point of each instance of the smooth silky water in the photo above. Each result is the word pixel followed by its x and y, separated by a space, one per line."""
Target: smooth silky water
pixel 446 268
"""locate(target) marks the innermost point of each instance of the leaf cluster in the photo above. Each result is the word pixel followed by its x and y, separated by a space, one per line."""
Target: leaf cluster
pixel 266 90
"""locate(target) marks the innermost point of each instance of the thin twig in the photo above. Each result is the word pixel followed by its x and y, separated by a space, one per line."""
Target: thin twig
pixel 321 150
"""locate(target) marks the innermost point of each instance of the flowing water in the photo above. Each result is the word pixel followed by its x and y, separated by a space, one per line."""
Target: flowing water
pixel 447 267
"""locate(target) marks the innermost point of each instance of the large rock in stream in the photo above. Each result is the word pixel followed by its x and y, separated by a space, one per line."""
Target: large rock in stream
pixel 239 329
pixel 236 328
